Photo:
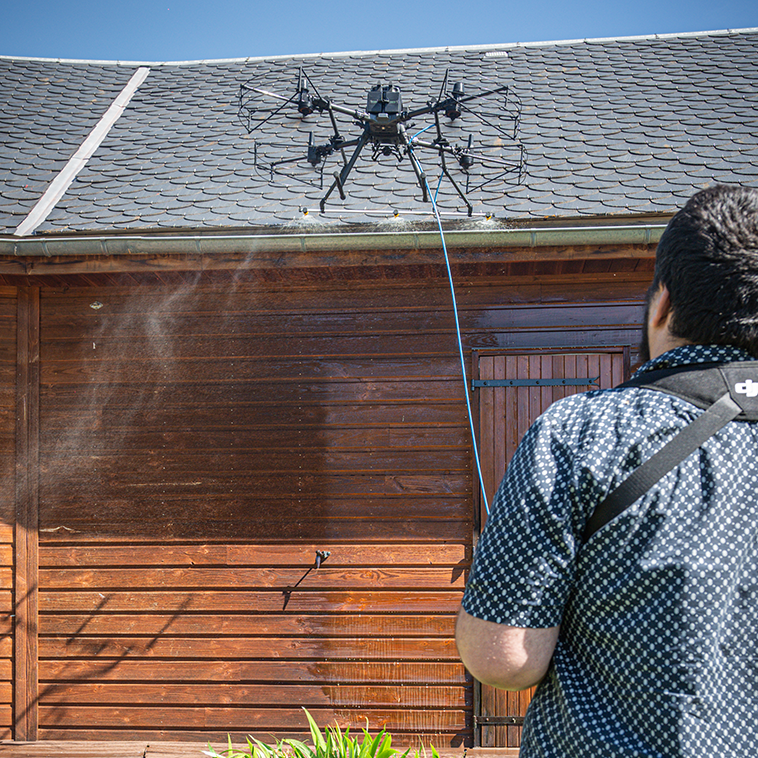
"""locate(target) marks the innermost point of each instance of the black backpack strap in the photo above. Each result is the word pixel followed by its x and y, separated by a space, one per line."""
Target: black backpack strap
pixel 667 458
pixel 731 383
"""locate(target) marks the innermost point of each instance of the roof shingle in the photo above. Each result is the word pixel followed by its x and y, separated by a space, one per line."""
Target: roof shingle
pixel 609 127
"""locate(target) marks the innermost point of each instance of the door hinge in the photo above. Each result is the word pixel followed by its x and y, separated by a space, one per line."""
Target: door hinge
pixel 578 382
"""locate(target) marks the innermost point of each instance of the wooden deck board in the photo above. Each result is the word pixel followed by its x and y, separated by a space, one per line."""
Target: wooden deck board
pixel 61 749
pixel 78 749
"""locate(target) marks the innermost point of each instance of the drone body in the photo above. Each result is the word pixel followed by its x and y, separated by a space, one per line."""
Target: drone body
pixel 384 107
pixel 384 126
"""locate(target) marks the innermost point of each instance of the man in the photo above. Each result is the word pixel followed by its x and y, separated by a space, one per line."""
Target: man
pixel 644 638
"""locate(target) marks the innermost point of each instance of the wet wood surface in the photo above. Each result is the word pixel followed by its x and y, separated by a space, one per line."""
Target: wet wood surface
pixel 257 497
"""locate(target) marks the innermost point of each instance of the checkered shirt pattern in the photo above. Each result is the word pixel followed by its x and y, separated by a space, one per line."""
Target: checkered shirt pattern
pixel 657 653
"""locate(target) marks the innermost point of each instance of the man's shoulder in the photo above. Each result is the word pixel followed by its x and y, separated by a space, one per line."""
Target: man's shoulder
pixel 591 403
pixel 641 391
pixel 581 420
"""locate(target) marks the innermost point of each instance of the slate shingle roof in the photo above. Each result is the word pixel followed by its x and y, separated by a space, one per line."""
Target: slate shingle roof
pixel 610 128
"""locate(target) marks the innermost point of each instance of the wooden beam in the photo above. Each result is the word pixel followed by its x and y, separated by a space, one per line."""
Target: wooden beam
pixel 27 510
pixel 347 259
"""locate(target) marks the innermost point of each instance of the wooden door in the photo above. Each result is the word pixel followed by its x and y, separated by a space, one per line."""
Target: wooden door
pixel 513 390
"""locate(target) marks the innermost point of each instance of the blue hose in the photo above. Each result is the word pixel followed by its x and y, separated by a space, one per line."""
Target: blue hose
pixel 433 199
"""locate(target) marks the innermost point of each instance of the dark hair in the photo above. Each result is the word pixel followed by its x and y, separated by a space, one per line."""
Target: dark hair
pixel 708 259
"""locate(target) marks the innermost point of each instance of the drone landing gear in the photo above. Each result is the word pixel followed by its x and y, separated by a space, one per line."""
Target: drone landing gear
pixel 341 177
pixel 420 175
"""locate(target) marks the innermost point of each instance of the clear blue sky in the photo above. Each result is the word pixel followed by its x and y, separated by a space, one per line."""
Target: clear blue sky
pixel 173 30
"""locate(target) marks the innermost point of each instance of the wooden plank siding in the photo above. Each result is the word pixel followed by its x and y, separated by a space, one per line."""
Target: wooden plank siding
pixel 198 448
pixel 8 323
pixel 202 441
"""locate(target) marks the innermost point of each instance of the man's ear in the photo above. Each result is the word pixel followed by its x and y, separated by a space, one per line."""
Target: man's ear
pixel 660 313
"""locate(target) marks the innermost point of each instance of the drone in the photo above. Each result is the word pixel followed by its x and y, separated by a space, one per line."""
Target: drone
pixel 487 154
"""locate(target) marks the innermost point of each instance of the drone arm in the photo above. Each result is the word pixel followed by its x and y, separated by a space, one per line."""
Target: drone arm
pixel 432 146
pixel 320 103
pixel 357 115
pixel 341 145
pixel 456 152
pixel 420 112
pixel 441 104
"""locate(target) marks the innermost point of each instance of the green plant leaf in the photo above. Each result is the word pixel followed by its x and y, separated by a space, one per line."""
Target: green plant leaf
pixel 318 741
pixel 299 749
pixel 333 743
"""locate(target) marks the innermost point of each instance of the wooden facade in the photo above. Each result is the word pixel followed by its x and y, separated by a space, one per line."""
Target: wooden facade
pixel 231 495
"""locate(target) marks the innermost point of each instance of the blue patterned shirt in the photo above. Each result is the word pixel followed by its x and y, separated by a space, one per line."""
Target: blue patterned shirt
pixel 657 654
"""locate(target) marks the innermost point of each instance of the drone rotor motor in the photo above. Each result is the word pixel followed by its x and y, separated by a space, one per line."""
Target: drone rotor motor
pixel 304 102
pixel 317 153
pixel 452 106
pixel 465 158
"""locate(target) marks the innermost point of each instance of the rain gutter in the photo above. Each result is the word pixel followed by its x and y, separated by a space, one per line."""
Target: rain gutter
pixel 209 244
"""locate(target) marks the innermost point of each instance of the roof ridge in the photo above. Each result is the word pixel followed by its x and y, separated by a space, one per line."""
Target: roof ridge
pixel 356 53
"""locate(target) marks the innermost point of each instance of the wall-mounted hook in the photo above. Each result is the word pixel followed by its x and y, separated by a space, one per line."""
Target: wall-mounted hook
pixel 321 555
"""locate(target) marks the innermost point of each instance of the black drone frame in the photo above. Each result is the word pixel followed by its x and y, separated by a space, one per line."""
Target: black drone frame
pixel 383 127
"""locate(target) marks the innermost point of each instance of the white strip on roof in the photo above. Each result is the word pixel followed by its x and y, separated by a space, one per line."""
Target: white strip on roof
pixel 78 161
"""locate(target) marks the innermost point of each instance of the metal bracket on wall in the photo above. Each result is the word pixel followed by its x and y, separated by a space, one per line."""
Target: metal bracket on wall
pixel 583 382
